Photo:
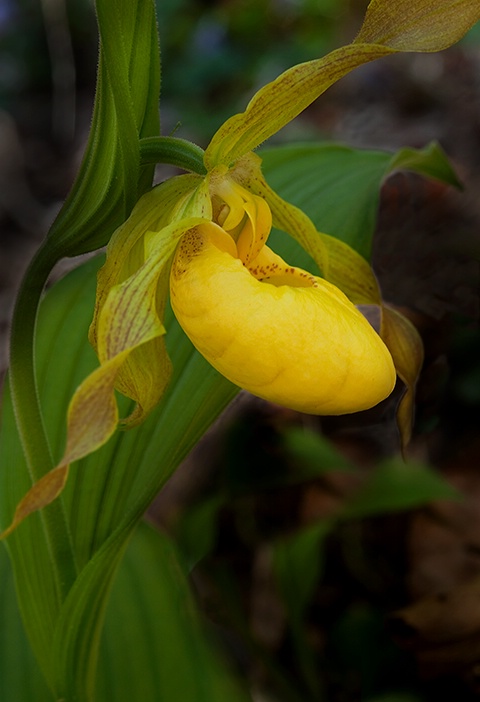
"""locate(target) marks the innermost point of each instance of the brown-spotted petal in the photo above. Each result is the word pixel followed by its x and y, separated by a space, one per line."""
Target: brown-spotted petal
pixel 290 338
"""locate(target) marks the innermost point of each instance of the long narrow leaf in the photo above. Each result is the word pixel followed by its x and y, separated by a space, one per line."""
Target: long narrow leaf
pixel 20 676
pixel 110 179
pixel 109 491
pixel 338 186
pixel 154 647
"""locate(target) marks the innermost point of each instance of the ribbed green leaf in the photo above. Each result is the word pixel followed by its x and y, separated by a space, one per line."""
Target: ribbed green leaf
pixel 110 179
pixel 107 493
pixel 338 187
pixel 107 186
pixel 396 485
pixel 297 563
pixel 20 677
pixel 314 454
pixel 154 647
pixel 430 161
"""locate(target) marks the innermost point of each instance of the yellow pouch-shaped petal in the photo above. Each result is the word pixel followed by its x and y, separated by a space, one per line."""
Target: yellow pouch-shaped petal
pixel 303 345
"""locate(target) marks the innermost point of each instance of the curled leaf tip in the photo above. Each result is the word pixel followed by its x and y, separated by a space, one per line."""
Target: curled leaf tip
pixel 418 25
pixel 40 495
pixel 405 344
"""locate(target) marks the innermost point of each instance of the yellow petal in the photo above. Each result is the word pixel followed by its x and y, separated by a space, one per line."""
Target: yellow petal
pixel 133 359
pixel 270 267
pixel 280 101
pixel 406 346
pixel 92 419
pixel 129 294
pixel 389 26
pixel 304 347
pixel 339 263
pixel 245 216
pixel 348 270
pixel 418 25
pixel 286 217
pixel 168 202
pixel 130 321
pixel 42 494
pixel 258 226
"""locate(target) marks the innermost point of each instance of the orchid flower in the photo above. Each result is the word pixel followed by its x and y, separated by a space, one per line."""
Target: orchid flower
pixel 280 332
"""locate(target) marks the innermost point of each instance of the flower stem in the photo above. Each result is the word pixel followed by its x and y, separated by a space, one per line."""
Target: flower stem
pixel 28 412
pixel 176 152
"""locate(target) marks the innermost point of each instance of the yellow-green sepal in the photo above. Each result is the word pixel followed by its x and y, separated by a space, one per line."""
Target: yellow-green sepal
pixel 389 27
pixel 127 331
pixel 406 347
pixel 285 216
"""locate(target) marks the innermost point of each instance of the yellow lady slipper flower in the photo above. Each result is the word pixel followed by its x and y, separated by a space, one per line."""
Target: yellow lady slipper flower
pixel 271 328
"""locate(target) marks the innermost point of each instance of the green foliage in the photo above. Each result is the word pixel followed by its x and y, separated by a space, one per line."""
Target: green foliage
pixel 108 184
pixel 108 492
pixel 20 676
pixel 298 559
pixel 111 179
pixel 398 485
pixel 301 558
pixel 339 187
pixel 314 454
pixel 153 646
pixel 393 485
pixel 298 567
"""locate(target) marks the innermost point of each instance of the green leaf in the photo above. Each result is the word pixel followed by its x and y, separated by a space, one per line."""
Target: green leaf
pixel 20 677
pixel 154 648
pixel 297 564
pixel 197 530
pixel 338 187
pixel 107 185
pixel 314 453
pixel 110 179
pixel 395 485
pixel 107 492
pixel 430 161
